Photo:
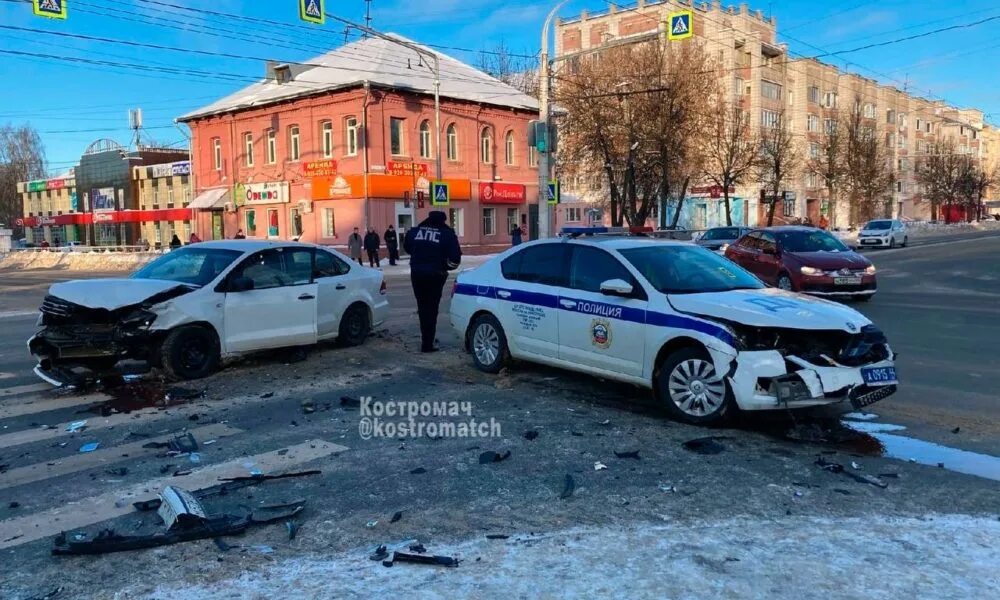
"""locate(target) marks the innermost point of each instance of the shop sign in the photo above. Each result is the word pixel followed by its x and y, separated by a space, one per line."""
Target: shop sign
pixel 501 193
pixel 271 192
pixel 319 168
pixel 407 169
pixel 171 169
pixel 102 198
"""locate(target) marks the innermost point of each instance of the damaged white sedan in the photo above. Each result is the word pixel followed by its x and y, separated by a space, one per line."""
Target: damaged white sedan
pixel 705 335
pixel 189 309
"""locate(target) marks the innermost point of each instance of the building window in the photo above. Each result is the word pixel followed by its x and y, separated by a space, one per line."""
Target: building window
pixel 929 126
pixel 770 119
pixel 187 230
pixel 902 120
pixel 532 157
pixel 294 223
pixel 217 153
pixel 187 195
pixel 425 139
pixel 812 123
pixel 251 222
pixel 508 149
pixel 830 126
pixel 489 221
pixel 326 133
pixel 813 150
pixel 869 111
pixel 170 197
pixel 811 181
pixel 919 123
pixel 396 135
pixel 770 90
pixel 513 219
pixel 899 186
pixel 486 146
pixel 738 87
pixel 788 207
pixel 157 234
pixel 813 94
pixel 329 223
pixel 272 223
pixel 890 117
pixel 457 221
pixel 351 136
pixel 248 148
pixel 272 147
pixel 890 140
pixel 452 142
pixel 830 100
pixel 293 143
pixel 574 214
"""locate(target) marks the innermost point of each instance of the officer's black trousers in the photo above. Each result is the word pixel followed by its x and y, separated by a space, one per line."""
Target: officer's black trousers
pixel 427 287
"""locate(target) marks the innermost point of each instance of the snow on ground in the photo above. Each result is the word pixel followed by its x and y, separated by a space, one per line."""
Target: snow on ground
pixel 874 557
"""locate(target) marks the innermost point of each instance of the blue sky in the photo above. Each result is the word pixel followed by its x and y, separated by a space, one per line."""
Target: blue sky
pixel 73 104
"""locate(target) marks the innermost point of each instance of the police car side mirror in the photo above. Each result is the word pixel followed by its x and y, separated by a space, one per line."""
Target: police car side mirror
pixel 616 287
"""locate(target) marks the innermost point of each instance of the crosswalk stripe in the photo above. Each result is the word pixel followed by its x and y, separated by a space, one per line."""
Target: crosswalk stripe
pixel 88 511
pixel 25 389
pixel 10 314
pixel 102 457
pixel 29 436
pixel 40 404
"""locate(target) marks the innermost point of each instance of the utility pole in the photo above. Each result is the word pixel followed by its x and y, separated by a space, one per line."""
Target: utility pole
pixel 545 114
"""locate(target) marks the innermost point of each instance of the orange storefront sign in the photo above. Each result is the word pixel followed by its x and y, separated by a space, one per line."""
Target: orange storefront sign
pixel 408 169
pixel 320 168
pixel 379 186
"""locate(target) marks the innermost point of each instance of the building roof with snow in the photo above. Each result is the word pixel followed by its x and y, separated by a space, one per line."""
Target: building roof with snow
pixel 378 61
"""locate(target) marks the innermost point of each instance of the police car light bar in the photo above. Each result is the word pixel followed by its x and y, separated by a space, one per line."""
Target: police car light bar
pixel 578 231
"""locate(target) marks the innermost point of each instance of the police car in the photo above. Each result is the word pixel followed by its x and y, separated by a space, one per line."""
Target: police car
pixel 703 334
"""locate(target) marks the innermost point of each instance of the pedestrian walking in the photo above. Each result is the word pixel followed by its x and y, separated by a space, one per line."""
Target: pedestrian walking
pixel 239 235
pixel 372 243
pixel 515 236
pixel 175 242
pixel 194 239
pixel 392 244
pixel 434 250
pixel 354 246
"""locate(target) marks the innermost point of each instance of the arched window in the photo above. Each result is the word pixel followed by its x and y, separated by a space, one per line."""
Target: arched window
pixel 294 150
pixel 452 142
pixel 486 146
pixel 425 139
pixel 326 134
pixel 351 136
pixel 508 148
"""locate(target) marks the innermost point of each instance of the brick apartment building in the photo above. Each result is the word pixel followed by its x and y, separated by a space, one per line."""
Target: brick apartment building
pixel 347 140
pixel 767 83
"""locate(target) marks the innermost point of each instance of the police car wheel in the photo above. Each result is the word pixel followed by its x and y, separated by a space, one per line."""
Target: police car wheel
pixel 488 344
pixel 692 389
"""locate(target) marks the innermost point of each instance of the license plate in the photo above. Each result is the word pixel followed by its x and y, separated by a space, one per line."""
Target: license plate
pixel 879 375
pixel 869 241
pixel 847 281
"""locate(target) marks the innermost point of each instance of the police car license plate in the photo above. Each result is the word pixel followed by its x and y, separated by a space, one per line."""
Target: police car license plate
pixel 847 281
pixel 879 375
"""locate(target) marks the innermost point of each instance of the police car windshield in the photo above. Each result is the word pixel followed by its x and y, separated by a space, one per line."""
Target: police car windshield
pixel 677 269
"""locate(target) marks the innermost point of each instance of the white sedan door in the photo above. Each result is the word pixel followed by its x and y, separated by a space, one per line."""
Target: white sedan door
pixel 599 330
pixel 335 281
pixel 278 309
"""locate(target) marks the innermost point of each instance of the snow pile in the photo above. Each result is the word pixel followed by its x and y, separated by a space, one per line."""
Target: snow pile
pixel 77 261
pixel 872 557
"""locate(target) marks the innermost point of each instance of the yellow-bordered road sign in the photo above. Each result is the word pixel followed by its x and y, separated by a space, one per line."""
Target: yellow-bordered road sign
pixel 312 11
pixel 53 9
pixel 680 25
pixel 440 194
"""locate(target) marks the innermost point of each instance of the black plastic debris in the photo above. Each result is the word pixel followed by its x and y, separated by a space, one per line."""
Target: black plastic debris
pixel 834 467
pixel 179 393
pixel 842 491
pixel 293 529
pixel 350 402
pixel 705 445
pixel 396 516
pixel 182 473
pixel 308 407
pixel 634 454
pixel 147 505
pixel 166 469
pixel 530 434
pixel 418 471
pixel 182 443
pixel 568 486
pixel 194 417
pixel 497 536
pixel 267 395
pixel 827 465
pixel 222 545
pixel 418 548
pixel 956 430
pixel 381 553
pixel 49 596
pixel 421 559
pixel 493 457
pixel 119 472
pixel 13 505
pixel 270 477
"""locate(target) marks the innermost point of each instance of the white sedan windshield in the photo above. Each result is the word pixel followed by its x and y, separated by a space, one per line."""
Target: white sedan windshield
pixel 191 265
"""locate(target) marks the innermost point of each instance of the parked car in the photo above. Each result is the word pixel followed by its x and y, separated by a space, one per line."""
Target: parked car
pixel 191 308
pixel 703 334
pixel 718 239
pixel 71 247
pixel 805 259
pixel 885 233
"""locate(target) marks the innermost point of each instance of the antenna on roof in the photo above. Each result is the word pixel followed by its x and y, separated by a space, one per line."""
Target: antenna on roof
pixel 135 124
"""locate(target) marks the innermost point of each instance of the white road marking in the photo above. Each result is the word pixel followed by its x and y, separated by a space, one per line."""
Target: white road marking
pixel 12 314
pixel 39 404
pixel 102 457
pixel 88 511
pixel 25 389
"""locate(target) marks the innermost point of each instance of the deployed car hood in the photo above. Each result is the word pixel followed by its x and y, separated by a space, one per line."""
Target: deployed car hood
pixel 832 260
pixel 111 294
pixel 771 307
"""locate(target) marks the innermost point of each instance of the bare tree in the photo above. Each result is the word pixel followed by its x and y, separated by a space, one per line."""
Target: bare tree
pixel 828 164
pixel 778 160
pixel 939 172
pixel 730 152
pixel 516 70
pixel 869 175
pixel 22 158
pixel 974 180
pixel 635 117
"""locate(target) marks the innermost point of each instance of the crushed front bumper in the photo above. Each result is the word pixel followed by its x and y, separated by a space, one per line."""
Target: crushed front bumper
pixel 72 355
pixel 766 380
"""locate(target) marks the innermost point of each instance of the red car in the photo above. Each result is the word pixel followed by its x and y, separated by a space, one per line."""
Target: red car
pixel 805 259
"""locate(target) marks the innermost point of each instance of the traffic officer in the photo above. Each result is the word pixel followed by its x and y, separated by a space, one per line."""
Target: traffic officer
pixel 434 250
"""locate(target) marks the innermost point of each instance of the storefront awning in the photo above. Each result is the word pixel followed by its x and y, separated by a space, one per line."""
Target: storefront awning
pixel 214 199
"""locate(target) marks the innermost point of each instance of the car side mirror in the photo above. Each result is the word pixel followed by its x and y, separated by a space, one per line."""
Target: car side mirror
pixel 240 284
pixel 616 287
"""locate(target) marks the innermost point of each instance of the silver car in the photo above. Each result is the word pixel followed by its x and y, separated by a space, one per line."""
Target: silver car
pixel 883 233
pixel 717 239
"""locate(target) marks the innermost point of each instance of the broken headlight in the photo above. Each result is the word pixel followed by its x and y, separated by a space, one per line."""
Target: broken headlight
pixel 138 318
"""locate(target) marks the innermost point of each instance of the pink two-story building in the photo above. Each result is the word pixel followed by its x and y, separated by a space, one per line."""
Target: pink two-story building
pixel 347 140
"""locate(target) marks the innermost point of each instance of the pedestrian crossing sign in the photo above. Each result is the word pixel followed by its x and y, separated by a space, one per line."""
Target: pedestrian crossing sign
pixel 552 192
pixel 312 11
pixel 440 195
pixel 679 25
pixel 53 9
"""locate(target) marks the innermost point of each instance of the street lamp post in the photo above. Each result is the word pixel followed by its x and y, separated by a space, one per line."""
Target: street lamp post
pixel 545 114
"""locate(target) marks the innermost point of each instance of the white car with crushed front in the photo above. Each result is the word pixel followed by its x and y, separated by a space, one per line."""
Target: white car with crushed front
pixel 193 307
pixel 705 335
